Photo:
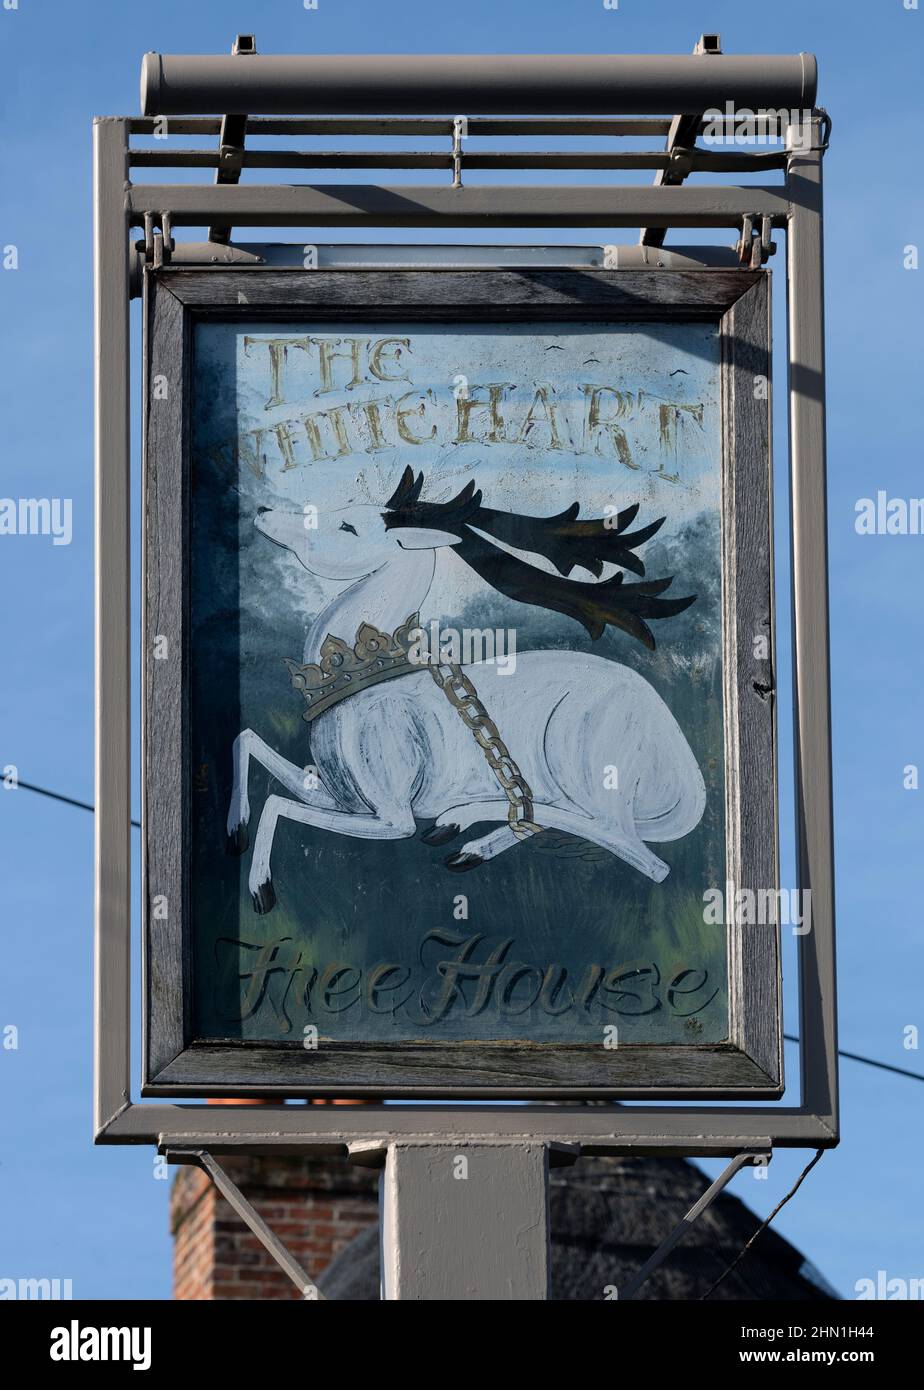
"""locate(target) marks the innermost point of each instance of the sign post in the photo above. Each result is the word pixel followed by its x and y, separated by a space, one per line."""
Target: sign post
pixel 458 657
pixel 465 1223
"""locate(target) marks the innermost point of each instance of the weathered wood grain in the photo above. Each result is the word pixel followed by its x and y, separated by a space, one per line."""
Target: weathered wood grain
pixel 164 717
pixel 479 293
pixel 464 1070
pixel 750 694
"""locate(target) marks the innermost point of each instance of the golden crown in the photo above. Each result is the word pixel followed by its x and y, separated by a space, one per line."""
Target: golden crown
pixel 344 670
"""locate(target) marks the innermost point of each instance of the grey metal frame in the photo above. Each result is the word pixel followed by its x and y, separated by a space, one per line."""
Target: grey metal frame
pixel 172 84
pixel 691 1130
pixel 748 1064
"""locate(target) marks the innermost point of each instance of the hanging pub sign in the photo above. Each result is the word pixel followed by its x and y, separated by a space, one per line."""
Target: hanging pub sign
pixel 459 745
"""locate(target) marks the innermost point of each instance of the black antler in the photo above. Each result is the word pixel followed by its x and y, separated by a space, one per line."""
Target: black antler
pixel 406 509
pixel 407 491
pixel 563 540
pixel 570 543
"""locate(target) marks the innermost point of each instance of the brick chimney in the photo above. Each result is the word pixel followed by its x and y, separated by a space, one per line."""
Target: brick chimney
pixel 315 1206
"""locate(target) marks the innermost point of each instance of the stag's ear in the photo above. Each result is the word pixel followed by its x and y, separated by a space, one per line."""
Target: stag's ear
pixel 423 538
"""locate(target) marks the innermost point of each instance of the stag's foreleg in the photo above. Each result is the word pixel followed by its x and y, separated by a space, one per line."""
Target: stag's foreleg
pixel 458 818
pixel 300 781
pixel 452 822
pixel 620 839
pixel 396 823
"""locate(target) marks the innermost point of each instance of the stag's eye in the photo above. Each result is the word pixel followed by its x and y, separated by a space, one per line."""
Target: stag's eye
pixel 345 526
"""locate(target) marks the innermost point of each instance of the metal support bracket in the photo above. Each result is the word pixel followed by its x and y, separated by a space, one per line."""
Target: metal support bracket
pixel 696 1211
pixel 231 143
pixel 158 238
pixel 251 1218
pixel 459 132
pixel 755 247
pixel 681 143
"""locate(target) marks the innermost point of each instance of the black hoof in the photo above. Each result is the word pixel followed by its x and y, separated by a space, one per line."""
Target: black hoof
pixel 238 840
pixel 264 900
pixel 461 861
pixel 440 834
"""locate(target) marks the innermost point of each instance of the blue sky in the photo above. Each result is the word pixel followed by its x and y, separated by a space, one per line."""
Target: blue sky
pixel 99 1217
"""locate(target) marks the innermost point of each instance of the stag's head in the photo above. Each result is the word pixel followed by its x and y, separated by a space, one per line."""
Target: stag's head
pixel 349 542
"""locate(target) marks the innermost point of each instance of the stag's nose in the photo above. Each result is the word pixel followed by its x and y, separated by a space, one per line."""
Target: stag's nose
pixel 261 510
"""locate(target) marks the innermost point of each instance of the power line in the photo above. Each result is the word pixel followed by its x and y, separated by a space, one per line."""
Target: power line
pixel 867 1061
pixel 764 1224
pixel 59 796
pixel 790 1037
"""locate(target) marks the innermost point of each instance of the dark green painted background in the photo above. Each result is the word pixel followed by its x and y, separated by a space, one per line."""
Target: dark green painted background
pixel 346 906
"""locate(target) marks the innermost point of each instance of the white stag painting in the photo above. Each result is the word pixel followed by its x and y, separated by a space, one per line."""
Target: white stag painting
pixel 455 727
pixel 391 749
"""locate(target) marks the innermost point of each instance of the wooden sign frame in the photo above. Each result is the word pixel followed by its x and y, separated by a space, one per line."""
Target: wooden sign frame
pixel 748 1064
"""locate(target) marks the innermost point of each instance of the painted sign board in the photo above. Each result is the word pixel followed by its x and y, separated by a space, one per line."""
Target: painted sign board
pixel 459 746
